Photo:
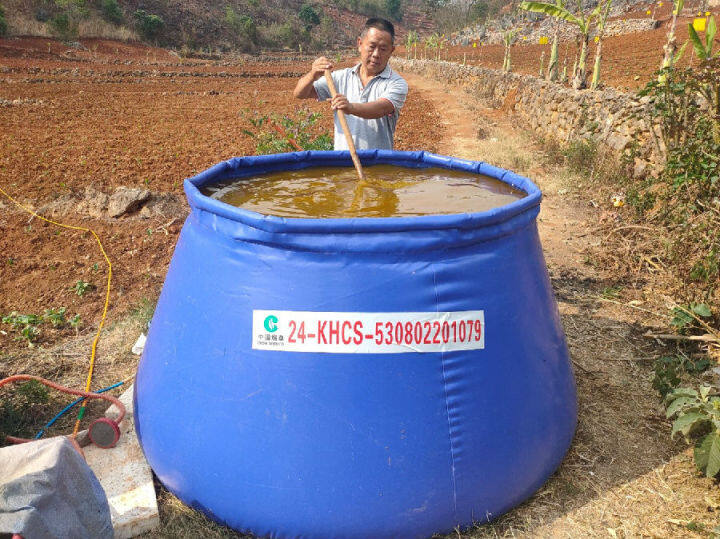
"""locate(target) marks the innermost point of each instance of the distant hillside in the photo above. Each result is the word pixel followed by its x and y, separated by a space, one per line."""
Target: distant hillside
pixel 244 25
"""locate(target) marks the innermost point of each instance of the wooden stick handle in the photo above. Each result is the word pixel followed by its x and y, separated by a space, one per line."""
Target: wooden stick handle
pixel 345 128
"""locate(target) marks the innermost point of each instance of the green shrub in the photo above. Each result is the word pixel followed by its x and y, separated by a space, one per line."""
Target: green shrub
pixel 309 16
pixel 111 11
pixel 64 27
pixel 3 24
pixel 242 25
pixel 148 25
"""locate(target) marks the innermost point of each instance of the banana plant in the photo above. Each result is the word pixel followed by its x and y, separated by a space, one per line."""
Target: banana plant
pixel 670 47
pixel 552 71
pixel 410 42
pixel 508 40
pixel 704 52
pixel 582 21
pixel 602 19
pixel 710 87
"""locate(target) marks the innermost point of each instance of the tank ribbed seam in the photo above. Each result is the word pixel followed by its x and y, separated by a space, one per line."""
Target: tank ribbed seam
pixel 447 404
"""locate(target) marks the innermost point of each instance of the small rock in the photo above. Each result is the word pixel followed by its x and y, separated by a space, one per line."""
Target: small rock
pixel 126 200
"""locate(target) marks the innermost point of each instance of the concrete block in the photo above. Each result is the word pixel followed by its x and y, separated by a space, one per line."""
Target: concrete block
pixel 126 477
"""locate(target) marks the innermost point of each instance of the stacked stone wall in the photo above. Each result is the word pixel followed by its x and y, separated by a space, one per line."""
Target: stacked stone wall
pixel 617 120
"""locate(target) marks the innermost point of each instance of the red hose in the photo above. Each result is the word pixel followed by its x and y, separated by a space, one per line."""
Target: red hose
pixel 18 377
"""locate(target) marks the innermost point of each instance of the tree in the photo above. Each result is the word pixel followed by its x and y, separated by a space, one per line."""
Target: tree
pixel 111 11
pixel 149 25
pixel 583 22
pixel 3 24
pixel 309 16
pixel 393 8
pixel 602 18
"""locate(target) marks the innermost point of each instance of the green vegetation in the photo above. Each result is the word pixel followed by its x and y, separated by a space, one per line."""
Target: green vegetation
pixel 27 326
pixel 287 134
pixel 582 21
pixel 148 25
pixel 143 313
pixel 602 19
pixel 243 26
pixel 704 50
pixel 309 16
pixel 81 287
pixel 64 24
pixel 111 12
pixel 508 40
pixel 389 9
pixel 3 24
pixel 684 198
pixel 19 415
pixel 697 415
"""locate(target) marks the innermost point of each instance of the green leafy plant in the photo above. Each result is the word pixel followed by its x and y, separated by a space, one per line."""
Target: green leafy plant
pixel 697 414
pixel 582 21
pixel 602 19
pixel 65 24
pixel 704 50
pixel 81 287
pixel 3 24
pixel 309 16
pixel 277 134
pixel 685 317
pixel 509 37
pixel 56 317
pixel 148 25
pixel 670 370
pixel 111 11
pixel 670 48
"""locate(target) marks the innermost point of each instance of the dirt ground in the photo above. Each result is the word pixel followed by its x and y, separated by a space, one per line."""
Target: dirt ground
pixel 122 115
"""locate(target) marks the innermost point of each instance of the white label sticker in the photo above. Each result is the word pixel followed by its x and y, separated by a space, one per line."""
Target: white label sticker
pixel 367 333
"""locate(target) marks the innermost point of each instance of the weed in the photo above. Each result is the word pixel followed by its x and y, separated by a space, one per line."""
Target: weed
pixel 611 292
pixel 27 326
pixel 697 414
pixel 685 317
pixel 288 134
pixel 670 369
pixel 17 416
pixel 95 266
pixel 81 287
pixel 55 316
pixel 143 312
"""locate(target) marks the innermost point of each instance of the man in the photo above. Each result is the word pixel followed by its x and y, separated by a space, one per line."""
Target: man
pixel 370 94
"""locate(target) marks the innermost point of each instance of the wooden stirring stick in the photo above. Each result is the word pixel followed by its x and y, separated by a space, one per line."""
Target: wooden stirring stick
pixel 346 130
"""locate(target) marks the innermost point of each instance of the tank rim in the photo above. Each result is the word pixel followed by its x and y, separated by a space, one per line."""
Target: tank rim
pixel 297 160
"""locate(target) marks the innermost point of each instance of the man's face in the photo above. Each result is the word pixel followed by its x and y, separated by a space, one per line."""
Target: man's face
pixel 375 49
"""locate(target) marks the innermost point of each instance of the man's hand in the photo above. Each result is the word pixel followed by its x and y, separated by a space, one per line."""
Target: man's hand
pixel 340 102
pixel 304 88
pixel 319 66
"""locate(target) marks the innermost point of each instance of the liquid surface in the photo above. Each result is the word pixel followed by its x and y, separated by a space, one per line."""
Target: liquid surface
pixel 388 191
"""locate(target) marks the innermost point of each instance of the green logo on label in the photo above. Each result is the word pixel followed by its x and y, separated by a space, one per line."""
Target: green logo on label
pixel 271 323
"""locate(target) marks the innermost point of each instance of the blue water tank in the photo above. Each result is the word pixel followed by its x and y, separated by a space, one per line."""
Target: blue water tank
pixel 362 377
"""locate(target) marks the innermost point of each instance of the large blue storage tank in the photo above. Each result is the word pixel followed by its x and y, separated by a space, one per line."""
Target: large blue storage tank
pixel 273 395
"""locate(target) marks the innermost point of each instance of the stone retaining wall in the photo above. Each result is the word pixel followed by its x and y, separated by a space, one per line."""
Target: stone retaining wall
pixel 610 117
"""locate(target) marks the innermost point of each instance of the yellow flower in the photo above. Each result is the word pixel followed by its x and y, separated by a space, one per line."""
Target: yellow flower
pixel 524 38
pixel 474 45
pixel 707 13
pixel 543 40
pixel 648 12
pixel 660 4
pixel 699 25
pixel 597 39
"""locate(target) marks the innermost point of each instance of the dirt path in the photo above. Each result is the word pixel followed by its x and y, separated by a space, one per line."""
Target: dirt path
pixel 622 475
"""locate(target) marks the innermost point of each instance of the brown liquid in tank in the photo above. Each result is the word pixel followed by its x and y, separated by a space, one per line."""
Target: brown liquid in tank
pixel 388 191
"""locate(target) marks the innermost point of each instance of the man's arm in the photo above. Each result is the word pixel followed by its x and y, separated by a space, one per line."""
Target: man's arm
pixel 369 111
pixel 304 88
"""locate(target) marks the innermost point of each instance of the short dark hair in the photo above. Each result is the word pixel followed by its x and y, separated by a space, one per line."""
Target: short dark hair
pixel 380 24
